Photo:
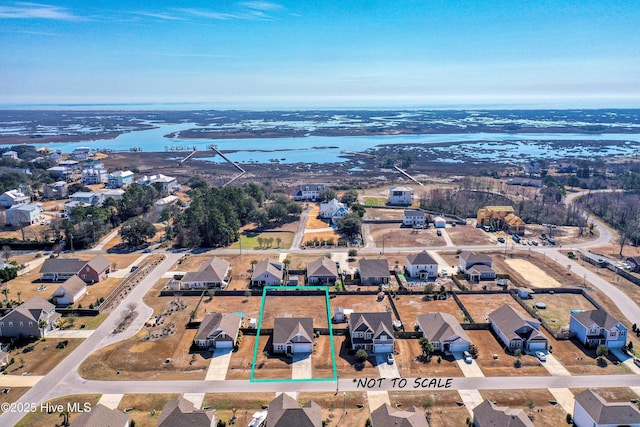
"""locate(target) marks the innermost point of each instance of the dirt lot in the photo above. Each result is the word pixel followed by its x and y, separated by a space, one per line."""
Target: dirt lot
pixel 407 353
pixel 250 306
pixel 42 418
pixel 384 214
pixel 480 306
pixel 410 306
pixel 544 414
pixel 395 236
pixel 536 277
pixel 333 407
pixel 270 367
pixel 559 307
pixel 295 306
pixel 245 403
pixel 360 304
pixel 313 222
pixel 321 361
pixel 14 394
pixel 444 412
pixel 465 235
pixel 27 288
pixel 142 405
pixel 299 261
pixel 240 365
pixel 40 357
pixel 488 345
pixel 319 237
pixel 580 361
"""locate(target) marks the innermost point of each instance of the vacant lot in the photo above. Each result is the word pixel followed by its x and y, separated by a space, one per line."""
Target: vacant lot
pixel 488 346
pixel 580 361
pixel 145 409
pixel 321 360
pixel 410 306
pixel 317 238
pixel 559 307
pixel 313 306
pixel 14 394
pixel 40 357
pixel 407 355
pixel 42 418
pixel 444 411
pixel 340 409
pixel 536 277
pixel 465 235
pixel 270 367
pixel 264 240
pixel 384 214
pixel 246 404
pixel 249 306
pixel 542 412
pixel 240 365
pixel 480 306
pixel 392 235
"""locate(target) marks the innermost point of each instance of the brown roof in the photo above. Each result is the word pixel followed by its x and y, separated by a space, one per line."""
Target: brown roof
pixel 421 258
pixel 99 263
pixel 219 323
pixel 374 267
pixel 322 267
pixel 487 414
pixel 73 285
pixel 179 412
pixel 286 329
pixel 609 413
pixel 213 271
pixel 513 220
pixel 101 416
pixel 439 327
pixel 386 416
pixel 284 412
pixel 62 265
pixel 268 265
pixel 34 307
pixel 474 258
pixel 376 322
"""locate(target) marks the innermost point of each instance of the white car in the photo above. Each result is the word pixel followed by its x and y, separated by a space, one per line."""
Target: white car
pixel 541 356
pixel 390 359
pixel 467 357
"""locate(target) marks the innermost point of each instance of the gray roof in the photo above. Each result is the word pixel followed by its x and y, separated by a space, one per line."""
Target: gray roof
pixel 33 309
pixel 99 263
pixel 73 285
pixel 376 322
pixel 509 321
pixel 322 267
pixel 423 258
pixel 374 267
pixel 440 327
pixel 213 271
pixel 286 329
pixel 386 416
pixel 179 412
pixel 600 317
pixel 268 265
pixel 62 265
pixel 603 412
pixel 312 187
pixel 101 416
pixel 218 323
pixel 487 414
pixel 284 412
pixel 473 258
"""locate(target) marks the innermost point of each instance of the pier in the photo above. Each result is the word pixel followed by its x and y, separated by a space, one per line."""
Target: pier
pixel 237 166
pixel 403 172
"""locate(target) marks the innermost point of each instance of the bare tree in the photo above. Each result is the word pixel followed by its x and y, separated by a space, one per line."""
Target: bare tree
pixel 6 252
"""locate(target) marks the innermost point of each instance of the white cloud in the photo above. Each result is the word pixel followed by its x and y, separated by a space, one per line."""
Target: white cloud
pixel 37 11
pixel 261 5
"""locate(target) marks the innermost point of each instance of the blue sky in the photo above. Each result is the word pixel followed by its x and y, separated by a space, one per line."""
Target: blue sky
pixel 321 53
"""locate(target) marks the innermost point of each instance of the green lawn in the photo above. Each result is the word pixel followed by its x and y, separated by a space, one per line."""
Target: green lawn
pixel 89 322
pixel 375 201
pixel 250 240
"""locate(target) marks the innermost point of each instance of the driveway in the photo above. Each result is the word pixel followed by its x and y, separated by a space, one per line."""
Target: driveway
pixel 301 367
pixel 471 399
pixel 468 369
pixel 70 333
pixel 219 365
pixel 377 398
pixel 554 367
pixel 384 369
pixel 626 359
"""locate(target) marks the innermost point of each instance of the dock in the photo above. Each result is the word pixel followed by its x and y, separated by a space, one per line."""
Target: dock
pixel 403 172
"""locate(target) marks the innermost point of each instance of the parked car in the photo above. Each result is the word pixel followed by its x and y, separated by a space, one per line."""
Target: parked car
pixel 62 344
pixel 541 356
pixel 439 233
pixel 501 239
pixel 636 361
pixel 467 357
pixel 390 359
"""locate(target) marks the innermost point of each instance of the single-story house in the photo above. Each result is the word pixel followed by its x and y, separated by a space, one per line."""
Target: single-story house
pixel 308 192
pixel 181 412
pixel 372 332
pixel 439 222
pixel 267 272
pixel 322 271
pixel 24 320
pixel 10 155
pixel 444 332
pixel 21 215
pixel 516 331
pixel 284 412
pixel 293 335
pixel 215 273
pixel 13 198
pixel 487 414
pixel 596 327
pixel 402 196
pixel 477 266
pixel 387 416
pixel 59 269
pixel 70 292
pixel 591 410
pixel 100 416
pixel 414 217
pixel 374 271
pixel 218 330
pixel 421 265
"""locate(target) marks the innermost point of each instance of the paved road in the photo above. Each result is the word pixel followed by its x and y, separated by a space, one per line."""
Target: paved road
pixel 297 238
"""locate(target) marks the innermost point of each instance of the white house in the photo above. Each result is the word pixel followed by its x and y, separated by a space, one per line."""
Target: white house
pixel 10 155
pixel 293 335
pixel 81 153
pixel 327 209
pixel 414 217
pixel 120 179
pixel 591 410
pixel 267 273
pixel 70 292
pixel 402 196
pixel 439 222
pixel 94 173
pixel 164 203
pixel 421 265
pixel 13 198
pixel 23 215
pixel 115 193
pixel 62 172
pixel 308 192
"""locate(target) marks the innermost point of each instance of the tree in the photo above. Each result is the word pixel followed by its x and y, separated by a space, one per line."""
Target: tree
pixel 253 263
pixel 361 355
pixel 65 417
pixel 6 292
pixel 350 226
pixel 327 194
pixel 42 324
pixel 518 355
pixel 349 197
pixel 247 294
pixel 427 404
pixel 352 253
pixel 286 263
pixel 6 252
pixel 428 288
pixel 137 231
pixel 602 351
pixel 426 346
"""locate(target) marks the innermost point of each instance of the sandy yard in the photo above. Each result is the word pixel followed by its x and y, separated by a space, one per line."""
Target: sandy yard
pixel 249 306
pixel 536 277
pixel 313 306
pixel 464 235
pixel 410 307
pixel 346 362
pixel 321 360
pixel 543 413
pixel 270 367
pixel 407 353
pixel 480 306
pixel 445 412
pixel 360 303
pixel 559 307
pixel 395 236
pixel 142 405
pixel 580 361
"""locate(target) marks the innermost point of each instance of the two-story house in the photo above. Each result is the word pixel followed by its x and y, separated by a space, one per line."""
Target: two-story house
pixel 120 179
pixel 36 317
pixel 596 327
pixel 13 198
pixel 372 332
pixel 414 218
pixel 477 266
pixel 400 196
pixel 309 192
pixel 591 410
pixel 21 215
pixel 94 173
pixel 421 265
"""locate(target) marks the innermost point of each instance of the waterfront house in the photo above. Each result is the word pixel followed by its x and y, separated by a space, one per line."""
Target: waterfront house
pixel 400 196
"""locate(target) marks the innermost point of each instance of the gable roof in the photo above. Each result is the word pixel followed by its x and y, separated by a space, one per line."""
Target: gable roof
pixel 72 285
pixel 268 265
pixel 33 308
pixel 101 416
pixel 441 326
pixel 386 416
pixel 179 412
pixel 473 257
pixel 62 265
pixel 99 263
pixel 214 270
pixel 376 322
pixel 228 323
pixel 603 412
pixel 322 267
pixel 403 189
pixel 284 412
pixel 600 317
pixel 509 321
pixel 421 258
pixel 487 414
pixel 285 329
pixel 374 267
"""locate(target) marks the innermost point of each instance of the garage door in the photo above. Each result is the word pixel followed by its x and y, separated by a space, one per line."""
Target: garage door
pixel 383 348
pixel 224 344
pixel 537 345
pixel 459 348
pixel 302 348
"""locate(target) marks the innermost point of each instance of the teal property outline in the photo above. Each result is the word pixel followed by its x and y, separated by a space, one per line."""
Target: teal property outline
pixel 255 348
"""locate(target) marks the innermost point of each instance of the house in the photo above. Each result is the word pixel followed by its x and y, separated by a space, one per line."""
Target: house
pixel 421 265
pixel 591 410
pixel 267 272
pixel 70 292
pixel 414 217
pixel 514 224
pixel 439 222
pixel 372 332
pixel 120 179
pixel 634 262
pixel 13 155
pixel 516 331
pixel 444 332
pixel 115 194
pixel 165 202
pixel 181 412
pixel 34 318
pixel 293 335
pixel 215 273
pixel 88 197
pixel 71 164
pixel 218 330
pixel 596 327
pixel 322 271
pixel 402 196
pixel 308 192
pixel 13 198
pixel 94 173
pixel 487 414
pixel 500 218
pixel 62 172
pixel 339 214
pixel 374 271
pixel 21 215
pixel 386 416
pixel 328 209
pixel 81 153
pixel 477 266
pixel 167 184
pixel 57 190
pixel 284 412
pixel 59 269
pixel 101 416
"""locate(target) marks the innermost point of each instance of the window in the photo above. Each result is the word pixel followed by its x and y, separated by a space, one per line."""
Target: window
pixel 383 337
pixel 11 324
pixel 368 335
pixel 612 333
pixel 31 324
pixel 21 324
pixel 621 333
pixel 1 324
